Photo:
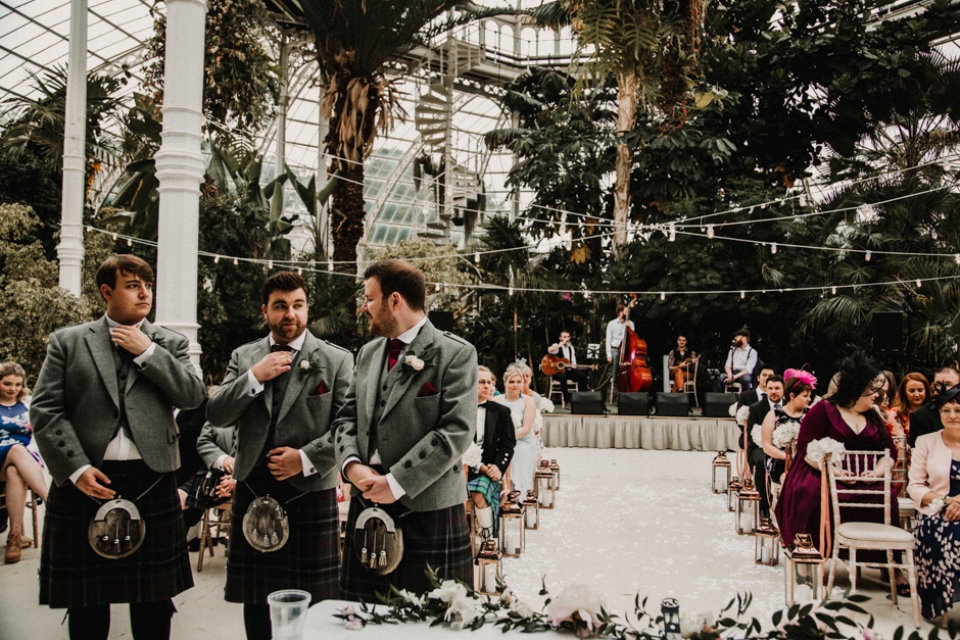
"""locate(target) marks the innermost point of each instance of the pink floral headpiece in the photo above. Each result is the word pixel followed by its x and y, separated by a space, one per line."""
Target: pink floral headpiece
pixel 805 376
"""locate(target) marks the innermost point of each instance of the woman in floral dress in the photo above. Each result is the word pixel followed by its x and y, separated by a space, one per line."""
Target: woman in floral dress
pixel 785 420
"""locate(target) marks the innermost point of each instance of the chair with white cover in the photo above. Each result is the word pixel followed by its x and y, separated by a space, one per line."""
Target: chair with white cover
pixel 899 478
pixel 860 492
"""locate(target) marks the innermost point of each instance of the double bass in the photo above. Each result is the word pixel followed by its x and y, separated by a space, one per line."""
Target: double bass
pixel 633 374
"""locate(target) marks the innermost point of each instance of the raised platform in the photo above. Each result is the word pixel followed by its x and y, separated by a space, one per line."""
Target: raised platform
pixel 637 432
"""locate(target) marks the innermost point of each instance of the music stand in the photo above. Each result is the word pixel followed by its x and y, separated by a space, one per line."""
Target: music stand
pixel 593 351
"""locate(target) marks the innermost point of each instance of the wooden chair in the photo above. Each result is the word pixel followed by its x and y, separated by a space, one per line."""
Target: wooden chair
pixel 206 529
pixel 853 536
pixel 555 389
pixel 690 384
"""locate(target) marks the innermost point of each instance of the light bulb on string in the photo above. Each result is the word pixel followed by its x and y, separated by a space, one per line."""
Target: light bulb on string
pixel 710 231
pixel 510 291
pixel 956 258
pixel 868 256
pixel 833 290
pixel 773 248
pixel 476 258
pixel 663 296
pixel 235 262
pixel 269 264
pixel 216 259
pixel 114 236
pixel 89 229
pixel 673 232
pixel 919 284
pixel 299 271
pixel 437 288
pixel 803 199
pixel 129 242
pixel 743 295
pixel 330 266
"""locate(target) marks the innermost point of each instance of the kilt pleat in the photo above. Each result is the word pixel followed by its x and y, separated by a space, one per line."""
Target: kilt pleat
pixel 310 560
pixel 73 575
pixel 439 538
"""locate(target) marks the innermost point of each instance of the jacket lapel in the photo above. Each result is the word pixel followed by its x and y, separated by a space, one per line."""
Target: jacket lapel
pixel 489 429
pixel 298 377
pixel 98 341
pixel 401 386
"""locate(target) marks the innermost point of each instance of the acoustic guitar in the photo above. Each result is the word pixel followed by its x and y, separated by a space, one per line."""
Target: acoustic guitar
pixel 552 365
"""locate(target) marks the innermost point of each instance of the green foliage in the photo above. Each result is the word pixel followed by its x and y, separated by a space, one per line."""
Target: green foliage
pixel 241 82
pixel 34 305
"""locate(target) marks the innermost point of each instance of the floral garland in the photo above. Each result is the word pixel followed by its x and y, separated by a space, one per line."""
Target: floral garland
pixel 582 611
pixel 817 450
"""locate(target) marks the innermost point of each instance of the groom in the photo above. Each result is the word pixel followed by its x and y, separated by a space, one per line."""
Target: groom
pixel 409 416
pixel 282 393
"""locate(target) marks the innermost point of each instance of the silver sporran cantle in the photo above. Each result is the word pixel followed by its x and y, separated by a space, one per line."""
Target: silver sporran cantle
pixel 265 525
pixel 116 531
pixel 377 541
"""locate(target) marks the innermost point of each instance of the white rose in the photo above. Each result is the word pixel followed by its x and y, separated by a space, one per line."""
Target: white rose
pixel 522 609
pixel 414 362
pixel 305 365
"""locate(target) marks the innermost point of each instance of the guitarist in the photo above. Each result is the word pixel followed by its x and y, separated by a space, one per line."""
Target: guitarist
pixel 563 349
pixel 681 359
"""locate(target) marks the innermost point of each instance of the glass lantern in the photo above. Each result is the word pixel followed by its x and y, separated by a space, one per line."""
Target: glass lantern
pixel 748 508
pixel 721 472
pixel 803 571
pixel 556 474
pixel 670 609
pixel 511 527
pixel 732 490
pixel 489 573
pixel 543 481
pixel 767 547
pixel 531 519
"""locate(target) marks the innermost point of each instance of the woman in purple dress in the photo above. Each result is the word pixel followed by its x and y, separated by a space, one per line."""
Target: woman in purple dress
pixel 849 417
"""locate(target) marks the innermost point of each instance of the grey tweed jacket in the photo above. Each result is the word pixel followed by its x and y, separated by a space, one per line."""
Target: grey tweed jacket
pixel 75 410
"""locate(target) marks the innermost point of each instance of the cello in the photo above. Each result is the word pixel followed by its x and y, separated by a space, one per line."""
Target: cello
pixel 633 374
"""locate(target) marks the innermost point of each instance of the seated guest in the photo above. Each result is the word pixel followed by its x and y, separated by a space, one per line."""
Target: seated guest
pixel 756 458
pixel 19 468
pixel 926 419
pixel 543 404
pixel 524 412
pixel 744 401
pixel 914 390
pixel 797 393
pixel 741 361
pixel 216 447
pixel 680 361
pixel 563 349
pixel 935 489
pixel 847 416
pixel 496 437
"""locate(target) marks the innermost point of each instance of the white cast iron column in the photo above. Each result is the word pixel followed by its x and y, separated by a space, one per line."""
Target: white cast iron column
pixel 70 249
pixel 180 171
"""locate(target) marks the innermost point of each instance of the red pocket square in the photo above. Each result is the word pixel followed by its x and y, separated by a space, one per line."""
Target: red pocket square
pixel 320 390
pixel 427 390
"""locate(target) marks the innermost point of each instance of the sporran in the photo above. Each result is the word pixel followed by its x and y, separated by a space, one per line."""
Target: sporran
pixel 377 541
pixel 265 525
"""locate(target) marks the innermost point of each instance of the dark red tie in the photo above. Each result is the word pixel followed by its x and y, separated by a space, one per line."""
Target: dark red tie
pixel 396 346
pixel 281 347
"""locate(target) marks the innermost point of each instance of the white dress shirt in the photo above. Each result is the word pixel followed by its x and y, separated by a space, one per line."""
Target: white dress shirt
pixel 255 388
pixel 481 422
pixel 740 358
pixel 122 447
pixel 567 351
pixel 615 331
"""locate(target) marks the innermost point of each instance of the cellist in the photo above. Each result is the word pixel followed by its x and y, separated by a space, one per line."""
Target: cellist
pixel 615 330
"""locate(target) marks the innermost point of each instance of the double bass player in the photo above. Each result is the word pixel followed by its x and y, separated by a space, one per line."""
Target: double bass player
pixel 615 330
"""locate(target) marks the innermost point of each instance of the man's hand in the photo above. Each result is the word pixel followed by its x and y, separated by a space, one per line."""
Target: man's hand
pixel 228 463
pixel 130 339
pixel 609 360
pixel 226 487
pixel 284 462
pixel 271 365
pixel 377 489
pixel 92 482
pixel 491 471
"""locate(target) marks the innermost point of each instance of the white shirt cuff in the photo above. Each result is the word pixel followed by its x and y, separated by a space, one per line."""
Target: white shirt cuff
pixel 254 388
pixel 308 468
pixel 143 357
pixel 79 472
pixel 343 467
pixel 395 487
pixel 218 463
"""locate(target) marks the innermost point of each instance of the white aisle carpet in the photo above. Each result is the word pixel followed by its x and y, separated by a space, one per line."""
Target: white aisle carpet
pixel 627 521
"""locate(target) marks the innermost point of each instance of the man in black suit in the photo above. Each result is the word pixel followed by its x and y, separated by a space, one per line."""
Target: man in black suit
pixel 497 437
pixel 750 396
pixel 926 419
pixel 755 455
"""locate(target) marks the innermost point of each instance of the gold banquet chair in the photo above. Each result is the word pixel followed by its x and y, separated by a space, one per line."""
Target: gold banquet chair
pixel 854 536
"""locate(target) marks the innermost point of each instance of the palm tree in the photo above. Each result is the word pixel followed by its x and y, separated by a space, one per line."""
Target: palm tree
pixel 651 48
pixel 355 41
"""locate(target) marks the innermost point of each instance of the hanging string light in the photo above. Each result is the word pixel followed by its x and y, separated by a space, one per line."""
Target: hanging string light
pixel 663 296
pixel 919 284
pixel 773 248
pixel 673 232
pixel 743 295
pixel 710 231
pixel 216 260
pixel 833 290
pixel 476 258
pixel 235 262
pixel 868 256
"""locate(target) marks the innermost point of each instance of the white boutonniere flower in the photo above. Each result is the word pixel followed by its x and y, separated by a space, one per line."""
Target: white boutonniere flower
pixel 413 362
pixel 309 365
pixel 305 365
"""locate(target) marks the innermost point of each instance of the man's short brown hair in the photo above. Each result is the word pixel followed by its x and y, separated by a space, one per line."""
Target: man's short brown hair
pixel 126 264
pixel 621 307
pixel 284 281
pixel 399 276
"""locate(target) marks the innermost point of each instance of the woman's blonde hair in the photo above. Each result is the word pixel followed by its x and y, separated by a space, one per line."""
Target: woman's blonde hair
pixel 510 371
pixel 14 369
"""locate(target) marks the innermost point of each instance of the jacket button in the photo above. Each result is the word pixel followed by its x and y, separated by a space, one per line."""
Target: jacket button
pixel 406 465
pixel 383 403
pixel 70 453
pixel 59 432
pixel 61 444
pixel 384 387
pixel 423 454
pixel 339 438
pixel 341 449
pixel 433 442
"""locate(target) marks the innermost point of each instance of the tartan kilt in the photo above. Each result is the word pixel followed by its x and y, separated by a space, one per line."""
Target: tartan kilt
pixel 439 538
pixel 310 560
pixel 491 491
pixel 73 575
